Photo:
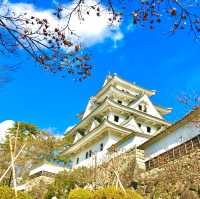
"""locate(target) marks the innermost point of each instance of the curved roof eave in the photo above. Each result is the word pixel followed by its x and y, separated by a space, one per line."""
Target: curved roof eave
pixel 109 102
pixel 125 82
pixel 101 128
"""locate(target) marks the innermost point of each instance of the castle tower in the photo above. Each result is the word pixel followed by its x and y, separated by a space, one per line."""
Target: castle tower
pixel 118 109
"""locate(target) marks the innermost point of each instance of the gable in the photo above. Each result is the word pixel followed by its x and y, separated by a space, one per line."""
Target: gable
pixel 90 107
pixel 94 124
pixel 131 124
pixel 78 136
pixel 150 109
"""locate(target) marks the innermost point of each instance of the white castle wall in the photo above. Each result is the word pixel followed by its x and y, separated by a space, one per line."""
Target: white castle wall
pixel 144 128
pixel 111 118
pixel 107 141
pixel 130 143
pixel 171 140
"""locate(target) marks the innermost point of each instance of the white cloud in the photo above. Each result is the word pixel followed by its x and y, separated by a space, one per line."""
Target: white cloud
pixel 117 37
pixel 93 29
pixel 4 127
pixel 51 130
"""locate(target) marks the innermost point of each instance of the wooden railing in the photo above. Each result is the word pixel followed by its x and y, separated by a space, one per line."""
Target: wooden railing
pixel 174 153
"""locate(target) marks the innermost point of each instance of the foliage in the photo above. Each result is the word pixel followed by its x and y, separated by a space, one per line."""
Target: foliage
pixel 80 193
pixel 69 138
pixel 48 45
pixel 38 146
pixel 66 181
pixel 52 47
pixel 115 193
pixel 8 193
pixel 190 100
pixel 176 15
pixel 118 164
pixel 39 191
pixel 103 193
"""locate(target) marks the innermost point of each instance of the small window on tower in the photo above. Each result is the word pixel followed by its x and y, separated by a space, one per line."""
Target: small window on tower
pixel 90 153
pixel 119 101
pixel 145 108
pixel 101 147
pixel 116 118
pixel 139 125
pixel 148 129
pixel 140 107
pixel 77 160
pixel 86 155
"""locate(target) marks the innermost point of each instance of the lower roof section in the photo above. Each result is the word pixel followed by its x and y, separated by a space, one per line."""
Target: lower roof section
pixel 97 133
pixel 47 167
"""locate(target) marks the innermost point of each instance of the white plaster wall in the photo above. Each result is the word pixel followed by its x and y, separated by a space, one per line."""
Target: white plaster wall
pixel 144 128
pixel 175 138
pixel 111 118
pixel 107 141
pixel 131 143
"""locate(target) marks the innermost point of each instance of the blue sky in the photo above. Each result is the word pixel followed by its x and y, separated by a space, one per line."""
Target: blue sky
pixel 153 60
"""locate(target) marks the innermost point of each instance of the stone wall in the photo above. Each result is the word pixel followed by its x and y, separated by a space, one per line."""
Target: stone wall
pixel 176 179
pixel 174 153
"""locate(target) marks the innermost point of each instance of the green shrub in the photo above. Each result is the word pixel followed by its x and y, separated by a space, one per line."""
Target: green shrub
pixel 114 193
pixel 132 194
pixel 8 193
pixel 80 193
pixel 66 181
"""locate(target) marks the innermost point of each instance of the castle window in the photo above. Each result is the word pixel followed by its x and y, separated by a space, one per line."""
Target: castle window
pixel 145 108
pixel 90 153
pixel 119 101
pixel 86 155
pixel 139 125
pixel 77 160
pixel 101 147
pixel 140 107
pixel 116 118
pixel 148 129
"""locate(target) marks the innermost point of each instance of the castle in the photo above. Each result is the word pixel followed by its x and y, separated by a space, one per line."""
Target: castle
pixel 119 109
pixel 121 114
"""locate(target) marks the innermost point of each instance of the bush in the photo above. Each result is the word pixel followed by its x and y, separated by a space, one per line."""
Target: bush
pixel 8 193
pixel 66 181
pixel 103 193
pixel 80 193
pixel 132 194
pixel 112 192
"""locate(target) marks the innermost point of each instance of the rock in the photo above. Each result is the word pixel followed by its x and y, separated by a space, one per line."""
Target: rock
pixel 194 187
pixel 188 194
